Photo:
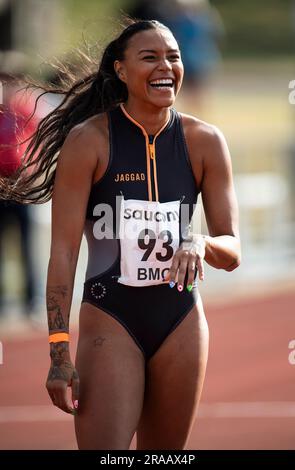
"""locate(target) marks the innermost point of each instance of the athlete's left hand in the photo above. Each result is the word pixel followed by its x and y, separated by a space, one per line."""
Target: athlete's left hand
pixel 189 256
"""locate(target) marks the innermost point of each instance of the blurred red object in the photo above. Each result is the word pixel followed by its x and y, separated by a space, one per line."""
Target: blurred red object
pixel 16 126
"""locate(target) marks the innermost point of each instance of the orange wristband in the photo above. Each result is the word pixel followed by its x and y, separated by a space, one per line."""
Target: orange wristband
pixel 58 337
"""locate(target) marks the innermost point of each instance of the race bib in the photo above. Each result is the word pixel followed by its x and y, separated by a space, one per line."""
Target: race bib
pixel 149 237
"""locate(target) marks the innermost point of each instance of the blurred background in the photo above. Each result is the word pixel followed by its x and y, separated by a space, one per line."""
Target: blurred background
pixel 239 62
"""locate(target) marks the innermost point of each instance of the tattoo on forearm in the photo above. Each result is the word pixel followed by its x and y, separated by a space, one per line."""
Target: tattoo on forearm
pixel 58 352
pixel 56 321
pixel 59 290
pixel 58 372
pixel 55 296
pixel 61 365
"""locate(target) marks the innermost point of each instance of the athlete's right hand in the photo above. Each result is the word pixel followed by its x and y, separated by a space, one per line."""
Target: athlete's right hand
pixel 62 375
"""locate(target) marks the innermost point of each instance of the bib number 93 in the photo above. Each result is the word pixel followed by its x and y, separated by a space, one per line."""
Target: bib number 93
pixel 147 242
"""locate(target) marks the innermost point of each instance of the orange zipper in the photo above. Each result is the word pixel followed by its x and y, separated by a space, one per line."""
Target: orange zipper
pixel 150 154
pixel 152 151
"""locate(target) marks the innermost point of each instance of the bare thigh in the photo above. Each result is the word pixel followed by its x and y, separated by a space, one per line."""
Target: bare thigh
pixel 174 381
pixel 111 369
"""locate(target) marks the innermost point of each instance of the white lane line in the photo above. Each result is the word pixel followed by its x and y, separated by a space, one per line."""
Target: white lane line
pixel 49 413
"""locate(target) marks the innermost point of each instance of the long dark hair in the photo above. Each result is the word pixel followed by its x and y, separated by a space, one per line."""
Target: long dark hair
pixel 96 92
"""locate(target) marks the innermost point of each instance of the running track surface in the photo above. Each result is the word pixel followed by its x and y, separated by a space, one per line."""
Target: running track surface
pixel 248 400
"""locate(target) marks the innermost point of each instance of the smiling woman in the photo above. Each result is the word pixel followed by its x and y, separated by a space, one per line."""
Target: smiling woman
pixel 153 76
pixel 143 336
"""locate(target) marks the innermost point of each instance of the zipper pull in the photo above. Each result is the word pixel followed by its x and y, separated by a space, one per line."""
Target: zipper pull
pixel 152 152
pixel 151 146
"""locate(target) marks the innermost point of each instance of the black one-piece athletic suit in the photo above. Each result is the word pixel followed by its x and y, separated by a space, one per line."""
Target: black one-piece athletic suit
pixel 140 167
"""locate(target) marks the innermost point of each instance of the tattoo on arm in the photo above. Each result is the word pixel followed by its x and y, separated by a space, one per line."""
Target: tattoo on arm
pixel 59 352
pixel 58 373
pixel 55 298
pixel 61 366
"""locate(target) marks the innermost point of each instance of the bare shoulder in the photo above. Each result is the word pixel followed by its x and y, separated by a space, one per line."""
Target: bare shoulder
pixel 89 132
pixel 201 133
pixel 206 146
pixel 85 144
